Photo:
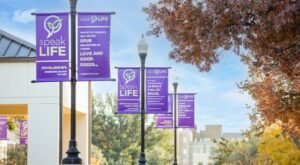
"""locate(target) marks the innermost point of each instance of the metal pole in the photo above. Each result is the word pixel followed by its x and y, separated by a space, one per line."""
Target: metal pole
pixel 175 84
pixel 73 152
pixel 60 120
pixel 142 160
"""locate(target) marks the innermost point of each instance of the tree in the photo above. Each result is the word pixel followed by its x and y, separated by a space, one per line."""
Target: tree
pixel 221 152
pixel 97 156
pixel 16 155
pixel 234 152
pixel 276 100
pixel 269 29
pixel 118 136
pixel 277 147
pixel 264 33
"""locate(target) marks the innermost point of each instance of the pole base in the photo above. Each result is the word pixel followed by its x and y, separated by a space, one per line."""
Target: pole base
pixel 175 162
pixel 72 154
pixel 142 160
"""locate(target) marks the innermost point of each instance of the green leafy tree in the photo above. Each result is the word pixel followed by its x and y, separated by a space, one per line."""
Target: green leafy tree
pixel 221 152
pixel 97 156
pixel 118 136
pixel 234 152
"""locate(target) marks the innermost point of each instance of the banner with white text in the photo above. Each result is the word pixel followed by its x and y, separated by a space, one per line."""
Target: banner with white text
pixel 93 46
pixel 166 120
pixel 129 90
pixel 52 47
pixel 157 90
pixel 186 110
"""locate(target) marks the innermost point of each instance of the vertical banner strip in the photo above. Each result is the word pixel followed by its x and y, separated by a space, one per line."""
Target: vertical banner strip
pixel 166 120
pixel 23 131
pixel 128 90
pixel 3 128
pixel 157 90
pixel 93 46
pixel 186 110
pixel 52 47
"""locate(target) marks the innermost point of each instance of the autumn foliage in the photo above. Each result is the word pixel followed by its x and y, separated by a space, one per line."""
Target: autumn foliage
pixel 264 33
pixel 276 147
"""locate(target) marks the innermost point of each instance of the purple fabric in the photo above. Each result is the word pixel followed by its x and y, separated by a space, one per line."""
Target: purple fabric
pixel 129 90
pixel 93 46
pixel 52 47
pixel 166 120
pixel 23 132
pixel 3 128
pixel 186 110
pixel 156 90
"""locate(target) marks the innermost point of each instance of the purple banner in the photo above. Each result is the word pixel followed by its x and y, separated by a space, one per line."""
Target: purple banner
pixel 93 46
pixel 52 47
pixel 156 90
pixel 129 90
pixel 166 120
pixel 3 128
pixel 23 132
pixel 186 110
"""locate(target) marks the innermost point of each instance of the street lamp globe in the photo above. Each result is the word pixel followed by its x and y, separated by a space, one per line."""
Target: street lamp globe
pixel 142 46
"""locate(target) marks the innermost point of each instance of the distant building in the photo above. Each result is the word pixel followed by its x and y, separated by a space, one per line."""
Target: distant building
pixel 195 147
pixel 185 136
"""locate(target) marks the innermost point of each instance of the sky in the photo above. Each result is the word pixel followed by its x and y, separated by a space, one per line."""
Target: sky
pixel 218 99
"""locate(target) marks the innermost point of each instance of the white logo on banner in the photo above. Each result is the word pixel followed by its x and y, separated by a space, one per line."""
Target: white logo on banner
pixel 52 24
pixel 129 75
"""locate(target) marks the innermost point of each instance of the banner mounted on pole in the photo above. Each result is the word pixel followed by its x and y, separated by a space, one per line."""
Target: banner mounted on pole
pixel 166 120
pixel 52 47
pixel 157 90
pixel 23 131
pixel 186 110
pixel 129 90
pixel 93 46
pixel 3 128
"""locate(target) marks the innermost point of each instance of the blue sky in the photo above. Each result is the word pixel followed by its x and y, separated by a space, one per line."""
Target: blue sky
pixel 218 100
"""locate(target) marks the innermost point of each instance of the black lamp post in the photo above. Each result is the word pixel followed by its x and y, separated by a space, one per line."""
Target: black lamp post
pixel 73 152
pixel 175 84
pixel 142 49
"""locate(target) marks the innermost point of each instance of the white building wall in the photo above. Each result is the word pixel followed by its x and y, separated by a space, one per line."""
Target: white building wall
pixel 43 111
pixel 201 151
pixel 43 134
pixel 42 100
pixel 185 136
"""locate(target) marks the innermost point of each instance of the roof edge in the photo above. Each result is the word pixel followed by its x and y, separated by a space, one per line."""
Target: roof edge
pixel 17 39
pixel 16 59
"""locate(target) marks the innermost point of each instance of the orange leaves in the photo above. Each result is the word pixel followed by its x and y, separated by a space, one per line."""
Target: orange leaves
pixel 268 30
pixel 276 100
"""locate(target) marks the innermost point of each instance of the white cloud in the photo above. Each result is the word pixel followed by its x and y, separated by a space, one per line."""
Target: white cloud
pixel 24 16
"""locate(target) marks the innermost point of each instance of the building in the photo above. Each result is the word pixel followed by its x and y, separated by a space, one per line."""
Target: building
pixel 45 105
pixel 185 136
pixel 203 142
pixel 194 148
